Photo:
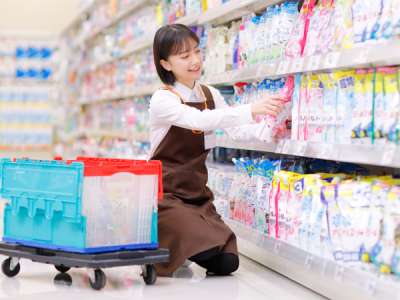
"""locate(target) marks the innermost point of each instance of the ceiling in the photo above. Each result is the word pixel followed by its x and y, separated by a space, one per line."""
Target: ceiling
pixel 36 17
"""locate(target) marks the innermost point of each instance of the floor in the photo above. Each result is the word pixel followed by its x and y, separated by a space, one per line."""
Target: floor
pixel 252 281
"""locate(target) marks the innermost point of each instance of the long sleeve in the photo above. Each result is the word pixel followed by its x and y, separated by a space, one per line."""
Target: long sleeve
pixel 167 109
pixel 251 131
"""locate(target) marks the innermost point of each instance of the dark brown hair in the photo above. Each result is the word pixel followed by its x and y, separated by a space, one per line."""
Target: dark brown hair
pixel 170 40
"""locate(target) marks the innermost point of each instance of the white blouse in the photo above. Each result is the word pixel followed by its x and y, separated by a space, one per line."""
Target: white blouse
pixel 166 110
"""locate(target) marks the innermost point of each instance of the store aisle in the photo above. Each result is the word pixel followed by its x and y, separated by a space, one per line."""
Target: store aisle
pixel 252 281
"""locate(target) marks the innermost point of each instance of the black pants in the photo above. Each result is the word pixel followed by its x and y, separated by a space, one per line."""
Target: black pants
pixel 217 263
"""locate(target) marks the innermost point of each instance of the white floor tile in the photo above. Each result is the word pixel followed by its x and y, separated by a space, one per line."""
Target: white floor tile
pixel 252 281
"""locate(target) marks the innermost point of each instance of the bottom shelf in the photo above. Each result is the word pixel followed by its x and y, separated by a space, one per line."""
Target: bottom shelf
pixel 324 276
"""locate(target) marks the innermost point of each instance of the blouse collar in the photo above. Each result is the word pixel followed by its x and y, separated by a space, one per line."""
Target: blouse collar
pixel 188 94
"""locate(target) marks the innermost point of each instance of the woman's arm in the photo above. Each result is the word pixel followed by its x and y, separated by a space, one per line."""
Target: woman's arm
pixel 167 109
pixel 253 131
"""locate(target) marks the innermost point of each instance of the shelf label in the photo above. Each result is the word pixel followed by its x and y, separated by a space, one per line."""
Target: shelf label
pixel 339 273
pixel 283 67
pixel 277 247
pixel 308 262
pixel 388 155
pixel 325 151
pixel 331 60
pixel 301 148
pixel 361 57
pixel 279 146
pixel 285 147
pixel 297 65
pixel 314 63
pixel 371 286
pixel 324 268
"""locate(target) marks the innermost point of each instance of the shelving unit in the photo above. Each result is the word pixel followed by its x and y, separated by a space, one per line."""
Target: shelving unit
pixel 376 55
pixel 333 280
pixel 134 92
pixel 119 17
pixel 384 155
pixel 139 44
pixel 233 10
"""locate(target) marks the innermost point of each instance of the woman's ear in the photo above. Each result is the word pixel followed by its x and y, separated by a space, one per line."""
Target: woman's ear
pixel 166 65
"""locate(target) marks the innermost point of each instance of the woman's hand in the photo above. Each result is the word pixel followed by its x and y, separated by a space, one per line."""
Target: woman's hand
pixel 271 106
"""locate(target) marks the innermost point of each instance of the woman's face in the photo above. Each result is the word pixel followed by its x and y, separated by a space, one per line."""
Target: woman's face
pixel 185 65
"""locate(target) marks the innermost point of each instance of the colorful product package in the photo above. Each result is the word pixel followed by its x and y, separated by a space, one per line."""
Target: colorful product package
pixel 394 196
pixel 359 115
pixel 390 232
pixel 343 24
pixel 371 245
pixel 296 108
pixel 329 107
pixel 296 43
pixel 379 111
pixel 392 104
pixel 315 109
pixel 344 106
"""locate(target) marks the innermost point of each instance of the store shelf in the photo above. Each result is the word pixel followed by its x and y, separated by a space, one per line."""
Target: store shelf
pixel 93 133
pixel 140 44
pixel 78 18
pixel 379 155
pixel 379 54
pixel 136 92
pixel 326 277
pixel 124 13
pixel 233 10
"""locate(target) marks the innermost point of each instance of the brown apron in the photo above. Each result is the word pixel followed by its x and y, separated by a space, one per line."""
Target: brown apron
pixel 188 222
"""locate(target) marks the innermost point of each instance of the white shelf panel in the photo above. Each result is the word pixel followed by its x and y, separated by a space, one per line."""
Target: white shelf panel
pixel 233 10
pixel 78 18
pixel 326 277
pixel 136 92
pixel 379 54
pixel 378 155
pixel 141 44
pixel 126 12
pixel 94 133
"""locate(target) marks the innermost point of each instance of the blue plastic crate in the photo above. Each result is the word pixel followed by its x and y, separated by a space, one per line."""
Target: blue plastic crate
pixel 45 206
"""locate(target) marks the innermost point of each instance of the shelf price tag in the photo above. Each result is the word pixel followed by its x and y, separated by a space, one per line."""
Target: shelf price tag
pixel 325 151
pixel 324 268
pixel 314 63
pixel 331 60
pixel 308 262
pixel 371 286
pixel 285 147
pixel 283 67
pixel 388 155
pixel 301 148
pixel 297 65
pixel 277 247
pixel 339 273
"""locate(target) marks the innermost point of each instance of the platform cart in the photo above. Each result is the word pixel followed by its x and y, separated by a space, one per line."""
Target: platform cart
pixel 60 213
pixel 64 261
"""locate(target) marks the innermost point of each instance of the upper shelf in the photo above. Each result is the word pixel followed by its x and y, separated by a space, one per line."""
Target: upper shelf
pixel 79 16
pixel 379 54
pixel 124 13
pixel 136 91
pixel 233 10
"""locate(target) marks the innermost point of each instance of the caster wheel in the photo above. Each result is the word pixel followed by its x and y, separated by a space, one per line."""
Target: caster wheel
pixel 63 279
pixel 149 274
pixel 99 280
pixel 10 270
pixel 62 269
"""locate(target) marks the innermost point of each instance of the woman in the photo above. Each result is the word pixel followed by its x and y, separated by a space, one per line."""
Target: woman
pixel 183 116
